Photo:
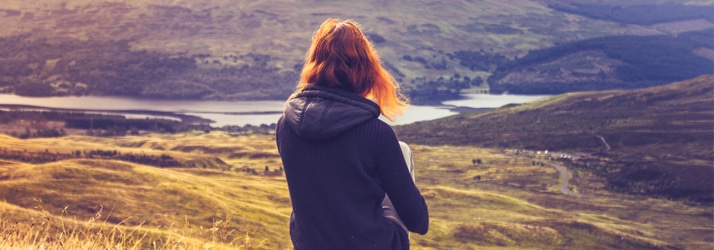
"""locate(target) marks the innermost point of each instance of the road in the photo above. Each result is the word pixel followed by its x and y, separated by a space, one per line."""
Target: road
pixel 563 179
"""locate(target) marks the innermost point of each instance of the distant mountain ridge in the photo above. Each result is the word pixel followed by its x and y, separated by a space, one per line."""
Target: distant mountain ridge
pixel 639 13
pixel 251 50
pixel 617 62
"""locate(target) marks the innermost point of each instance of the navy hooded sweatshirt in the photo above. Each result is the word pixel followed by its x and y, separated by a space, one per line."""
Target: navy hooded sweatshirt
pixel 339 161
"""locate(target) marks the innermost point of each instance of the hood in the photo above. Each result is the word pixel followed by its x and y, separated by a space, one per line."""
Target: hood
pixel 319 113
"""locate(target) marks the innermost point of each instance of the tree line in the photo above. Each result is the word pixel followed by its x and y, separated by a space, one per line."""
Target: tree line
pixel 39 157
pixel 114 125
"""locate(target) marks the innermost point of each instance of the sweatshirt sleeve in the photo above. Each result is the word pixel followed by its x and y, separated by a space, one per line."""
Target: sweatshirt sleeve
pixel 398 184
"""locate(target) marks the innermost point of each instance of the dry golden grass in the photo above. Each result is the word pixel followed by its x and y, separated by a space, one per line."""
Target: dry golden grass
pixel 158 199
pixel 46 231
pixel 518 206
pixel 107 204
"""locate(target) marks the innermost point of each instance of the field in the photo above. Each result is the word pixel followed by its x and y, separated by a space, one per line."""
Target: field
pixel 231 194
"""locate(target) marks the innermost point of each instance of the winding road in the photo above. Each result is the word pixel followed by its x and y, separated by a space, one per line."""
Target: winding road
pixel 564 176
pixel 563 179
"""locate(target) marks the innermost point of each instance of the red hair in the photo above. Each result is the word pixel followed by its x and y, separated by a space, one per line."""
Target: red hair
pixel 340 56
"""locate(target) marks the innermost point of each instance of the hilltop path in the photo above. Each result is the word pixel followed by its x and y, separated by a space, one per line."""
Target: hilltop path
pixel 607 146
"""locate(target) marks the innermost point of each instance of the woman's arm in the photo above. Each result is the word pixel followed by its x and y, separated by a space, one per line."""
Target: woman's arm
pixel 398 184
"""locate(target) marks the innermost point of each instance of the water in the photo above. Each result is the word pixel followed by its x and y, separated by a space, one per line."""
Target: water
pixel 245 112
pixel 222 112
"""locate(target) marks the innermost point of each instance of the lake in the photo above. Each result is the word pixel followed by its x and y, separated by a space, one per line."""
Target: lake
pixel 245 112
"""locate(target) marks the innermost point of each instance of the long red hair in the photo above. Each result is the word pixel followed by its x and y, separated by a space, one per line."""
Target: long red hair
pixel 340 56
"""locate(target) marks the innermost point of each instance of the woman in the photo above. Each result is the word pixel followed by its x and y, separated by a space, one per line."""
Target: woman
pixel 340 160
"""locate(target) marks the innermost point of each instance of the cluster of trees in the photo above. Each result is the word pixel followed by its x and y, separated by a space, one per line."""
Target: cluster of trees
pixel 639 14
pixel 478 60
pixel 250 129
pixel 440 65
pixel 99 124
pixel 435 91
pixel 648 61
pixel 96 124
pixel 115 125
pixel 14 115
pixel 163 160
pixel 40 132
pixel 266 171
pixel 32 157
pixel 120 125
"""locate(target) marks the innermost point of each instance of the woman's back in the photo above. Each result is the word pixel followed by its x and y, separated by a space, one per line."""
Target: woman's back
pixel 340 160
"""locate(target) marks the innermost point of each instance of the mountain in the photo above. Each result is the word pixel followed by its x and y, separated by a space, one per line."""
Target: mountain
pixel 220 49
pixel 654 136
pixel 615 62
pixel 637 13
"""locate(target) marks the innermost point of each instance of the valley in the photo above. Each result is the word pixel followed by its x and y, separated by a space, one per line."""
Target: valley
pixel 623 169
pixel 619 156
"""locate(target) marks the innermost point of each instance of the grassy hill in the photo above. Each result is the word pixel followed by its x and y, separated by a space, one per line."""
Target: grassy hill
pixel 222 49
pixel 233 203
pixel 160 202
pixel 659 137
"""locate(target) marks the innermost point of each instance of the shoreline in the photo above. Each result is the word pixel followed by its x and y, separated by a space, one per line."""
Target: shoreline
pixel 188 119
pixel 221 113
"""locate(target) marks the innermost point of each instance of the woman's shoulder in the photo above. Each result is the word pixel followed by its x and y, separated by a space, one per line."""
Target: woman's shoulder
pixel 379 124
pixel 375 129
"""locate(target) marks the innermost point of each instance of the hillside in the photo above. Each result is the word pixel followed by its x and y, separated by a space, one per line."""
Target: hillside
pixel 659 137
pixel 221 49
pixel 228 201
pixel 617 62
pixel 638 13
pixel 148 198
